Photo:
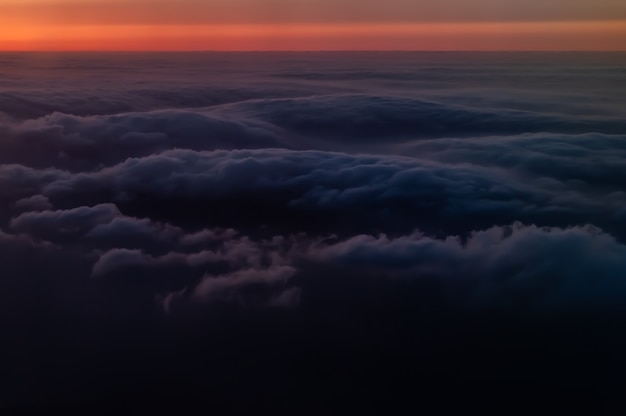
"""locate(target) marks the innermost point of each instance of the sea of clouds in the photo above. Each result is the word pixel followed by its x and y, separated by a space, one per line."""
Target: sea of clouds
pixel 362 229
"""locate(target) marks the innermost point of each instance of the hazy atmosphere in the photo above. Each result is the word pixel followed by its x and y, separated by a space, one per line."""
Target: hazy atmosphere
pixel 312 25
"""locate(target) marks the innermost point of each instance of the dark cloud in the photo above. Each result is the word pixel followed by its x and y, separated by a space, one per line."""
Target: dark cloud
pixel 81 143
pixel 133 232
pixel 33 203
pixel 337 122
pixel 57 224
pixel 315 191
pixel 370 117
pixel 238 231
pixel 508 267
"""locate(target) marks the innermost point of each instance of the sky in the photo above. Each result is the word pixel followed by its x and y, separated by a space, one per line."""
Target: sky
pixel 312 25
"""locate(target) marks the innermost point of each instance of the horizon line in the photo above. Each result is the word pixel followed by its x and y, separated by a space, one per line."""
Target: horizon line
pixel 311 50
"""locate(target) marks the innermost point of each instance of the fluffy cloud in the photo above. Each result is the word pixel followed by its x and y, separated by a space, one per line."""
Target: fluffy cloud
pixel 84 143
pixel 338 122
pixel 73 221
pixel 308 191
pixel 517 266
pixel 274 227
pixel 33 203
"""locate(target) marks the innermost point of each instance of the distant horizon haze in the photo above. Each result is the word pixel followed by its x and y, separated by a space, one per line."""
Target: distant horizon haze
pixel 303 25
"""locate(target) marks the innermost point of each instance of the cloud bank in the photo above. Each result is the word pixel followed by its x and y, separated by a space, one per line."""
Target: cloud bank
pixel 362 231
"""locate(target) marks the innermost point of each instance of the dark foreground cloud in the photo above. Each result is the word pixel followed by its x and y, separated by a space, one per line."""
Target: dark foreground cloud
pixel 288 314
pixel 310 233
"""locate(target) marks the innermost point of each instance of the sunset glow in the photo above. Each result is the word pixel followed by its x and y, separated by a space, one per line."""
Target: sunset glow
pixel 250 25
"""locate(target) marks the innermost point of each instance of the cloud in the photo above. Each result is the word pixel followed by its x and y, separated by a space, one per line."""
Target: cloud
pixel 243 288
pixel 308 190
pixel 20 182
pixel 33 203
pixel 508 267
pixel 240 231
pixel 562 157
pixel 85 143
pixel 366 117
pixel 117 258
pixel 208 236
pixel 514 269
pixel 327 110
pixel 61 223
pixel 91 99
pixel 134 233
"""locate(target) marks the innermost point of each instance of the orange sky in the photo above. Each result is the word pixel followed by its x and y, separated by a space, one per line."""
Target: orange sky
pixel 308 25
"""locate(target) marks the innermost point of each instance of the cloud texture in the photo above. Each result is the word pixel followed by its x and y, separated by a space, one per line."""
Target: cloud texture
pixel 315 229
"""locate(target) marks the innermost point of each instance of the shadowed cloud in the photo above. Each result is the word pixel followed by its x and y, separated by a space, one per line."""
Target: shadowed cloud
pixel 306 233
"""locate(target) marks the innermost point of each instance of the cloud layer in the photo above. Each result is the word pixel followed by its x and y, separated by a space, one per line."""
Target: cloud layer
pixel 313 230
